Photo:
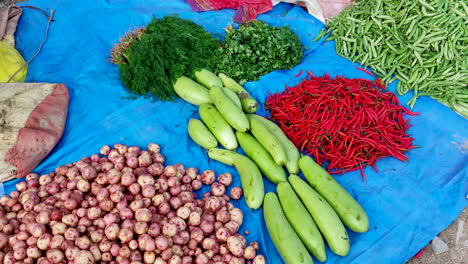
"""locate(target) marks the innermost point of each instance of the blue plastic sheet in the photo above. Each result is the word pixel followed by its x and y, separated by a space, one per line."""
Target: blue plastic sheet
pixel 408 203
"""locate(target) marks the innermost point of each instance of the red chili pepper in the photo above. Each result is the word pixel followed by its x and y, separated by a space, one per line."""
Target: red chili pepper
pixel 310 73
pixel 299 74
pixel 349 123
pixel 419 254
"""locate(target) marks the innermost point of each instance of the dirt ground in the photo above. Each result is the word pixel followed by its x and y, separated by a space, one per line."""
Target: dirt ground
pixel 458 248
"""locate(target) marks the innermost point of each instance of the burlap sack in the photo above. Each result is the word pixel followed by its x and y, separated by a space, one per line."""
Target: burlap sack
pixel 32 120
pixel 9 17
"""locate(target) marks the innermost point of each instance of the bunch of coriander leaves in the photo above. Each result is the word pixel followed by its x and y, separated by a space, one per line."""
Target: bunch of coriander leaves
pixel 151 59
pixel 255 49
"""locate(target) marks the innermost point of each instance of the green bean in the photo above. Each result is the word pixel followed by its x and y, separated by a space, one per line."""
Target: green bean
pixel 425 75
pixel 424 11
pixel 456 11
pixel 465 7
pixel 442 21
pixel 379 70
pixel 413 77
pixel 445 50
pixel 373 51
pixel 457 77
pixel 421 38
pixel 390 46
pixel 355 20
pixel 363 62
pixel 412 101
pixel 377 22
pixel 378 6
pixel 438 17
pixel 345 49
pixel 348 39
pixel 369 24
pixel 422 43
pixel 422 2
pixel 418 57
pixel 384 17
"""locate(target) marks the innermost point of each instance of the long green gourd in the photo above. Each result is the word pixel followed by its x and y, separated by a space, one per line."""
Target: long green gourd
pixel 349 210
pixel 251 178
pixel 286 241
pixel 326 218
pixel 301 221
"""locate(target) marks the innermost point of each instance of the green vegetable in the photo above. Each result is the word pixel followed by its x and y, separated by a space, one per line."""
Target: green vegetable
pixel 201 135
pixel 301 221
pixel 291 150
pixel 233 96
pixel 152 59
pixel 218 126
pixel 256 48
pixel 251 178
pixel 327 220
pixel 229 110
pixel 286 241
pixel 423 43
pixel 207 78
pixel 350 212
pixel 224 156
pixel 268 140
pixel 191 91
pixel 248 103
pixel 261 157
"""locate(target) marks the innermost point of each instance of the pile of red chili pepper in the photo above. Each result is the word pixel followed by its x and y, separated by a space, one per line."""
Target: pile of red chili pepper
pixel 345 123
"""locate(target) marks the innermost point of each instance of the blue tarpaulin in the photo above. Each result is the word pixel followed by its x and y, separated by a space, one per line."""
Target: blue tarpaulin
pixel 408 203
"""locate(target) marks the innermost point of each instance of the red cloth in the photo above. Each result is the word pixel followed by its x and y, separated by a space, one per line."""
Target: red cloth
pixel 246 10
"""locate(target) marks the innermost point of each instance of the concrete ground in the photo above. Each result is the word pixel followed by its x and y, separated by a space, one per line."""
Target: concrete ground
pixel 456 236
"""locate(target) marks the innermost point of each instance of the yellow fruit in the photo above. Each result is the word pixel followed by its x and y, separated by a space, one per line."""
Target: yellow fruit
pixel 10 61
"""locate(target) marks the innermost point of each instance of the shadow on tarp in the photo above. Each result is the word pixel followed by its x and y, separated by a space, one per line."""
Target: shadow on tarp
pixel 408 202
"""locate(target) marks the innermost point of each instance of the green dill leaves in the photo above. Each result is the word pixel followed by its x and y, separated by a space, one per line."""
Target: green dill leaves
pixel 169 48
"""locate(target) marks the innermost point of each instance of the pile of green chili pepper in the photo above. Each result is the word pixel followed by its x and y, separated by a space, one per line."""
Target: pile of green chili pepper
pixel 423 43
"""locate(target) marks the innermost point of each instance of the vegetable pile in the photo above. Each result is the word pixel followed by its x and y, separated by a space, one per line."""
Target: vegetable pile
pixel 255 49
pixel 423 43
pixel 125 207
pixel 348 123
pixel 151 59
pixel 301 213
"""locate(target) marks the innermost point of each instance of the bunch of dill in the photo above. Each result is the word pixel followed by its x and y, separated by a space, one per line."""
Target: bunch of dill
pixel 151 59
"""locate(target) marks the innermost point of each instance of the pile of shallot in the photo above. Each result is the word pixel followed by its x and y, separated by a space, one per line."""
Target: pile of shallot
pixel 125 208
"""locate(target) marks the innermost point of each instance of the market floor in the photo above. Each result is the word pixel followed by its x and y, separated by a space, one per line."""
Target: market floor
pixel 456 236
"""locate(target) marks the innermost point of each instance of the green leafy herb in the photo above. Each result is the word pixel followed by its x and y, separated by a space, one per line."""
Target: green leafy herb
pixel 256 49
pixel 152 59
